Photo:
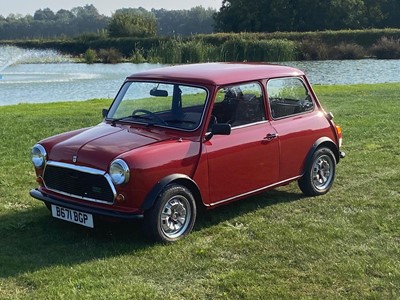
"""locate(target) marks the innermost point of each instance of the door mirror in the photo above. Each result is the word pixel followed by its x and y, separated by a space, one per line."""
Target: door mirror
pixel 104 112
pixel 219 129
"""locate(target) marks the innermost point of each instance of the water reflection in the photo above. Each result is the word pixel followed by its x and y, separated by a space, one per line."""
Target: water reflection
pixel 37 76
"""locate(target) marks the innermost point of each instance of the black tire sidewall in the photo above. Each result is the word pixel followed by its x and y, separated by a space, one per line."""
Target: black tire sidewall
pixel 152 221
pixel 306 182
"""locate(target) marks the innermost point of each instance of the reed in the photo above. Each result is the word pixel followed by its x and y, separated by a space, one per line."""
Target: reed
pixel 348 51
pixel 178 50
pixel 240 49
pixel 386 48
pixel 245 46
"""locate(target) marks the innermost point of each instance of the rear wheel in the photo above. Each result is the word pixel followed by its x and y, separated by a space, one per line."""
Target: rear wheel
pixel 319 173
pixel 173 215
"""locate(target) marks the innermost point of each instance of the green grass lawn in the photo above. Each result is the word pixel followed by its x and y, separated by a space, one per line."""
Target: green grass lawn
pixel 279 245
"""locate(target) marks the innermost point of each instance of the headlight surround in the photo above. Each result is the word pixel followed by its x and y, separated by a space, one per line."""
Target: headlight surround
pixel 119 172
pixel 38 156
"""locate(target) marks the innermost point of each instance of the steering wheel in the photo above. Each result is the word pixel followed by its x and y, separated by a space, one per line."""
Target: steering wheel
pixel 153 115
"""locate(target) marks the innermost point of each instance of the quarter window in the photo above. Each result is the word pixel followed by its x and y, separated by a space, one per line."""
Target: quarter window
pixel 288 96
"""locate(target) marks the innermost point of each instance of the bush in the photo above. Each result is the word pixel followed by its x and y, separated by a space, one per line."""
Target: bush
pixel 110 56
pixel 386 48
pixel 90 56
pixel 313 50
pixel 137 56
pixel 347 51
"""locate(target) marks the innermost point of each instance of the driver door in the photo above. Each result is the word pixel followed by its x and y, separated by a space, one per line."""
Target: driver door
pixel 248 159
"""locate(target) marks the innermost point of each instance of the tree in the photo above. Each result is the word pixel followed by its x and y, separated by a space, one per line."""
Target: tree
pixel 129 22
pixel 391 11
pixel 46 24
pixel 184 22
pixel 88 19
pixel 87 11
pixel 240 15
pixel 64 15
pixel 44 15
pixel 306 15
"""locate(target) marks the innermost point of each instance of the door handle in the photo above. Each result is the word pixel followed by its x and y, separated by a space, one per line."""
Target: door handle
pixel 271 136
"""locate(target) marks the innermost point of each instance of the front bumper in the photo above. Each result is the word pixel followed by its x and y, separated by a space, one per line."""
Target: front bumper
pixel 35 193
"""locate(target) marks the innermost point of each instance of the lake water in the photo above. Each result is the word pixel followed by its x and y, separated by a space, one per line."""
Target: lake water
pixel 33 76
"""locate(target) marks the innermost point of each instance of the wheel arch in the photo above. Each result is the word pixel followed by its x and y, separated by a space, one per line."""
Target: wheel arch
pixel 323 142
pixel 173 178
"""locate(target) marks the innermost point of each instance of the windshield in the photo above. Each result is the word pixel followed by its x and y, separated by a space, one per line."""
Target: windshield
pixel 160 104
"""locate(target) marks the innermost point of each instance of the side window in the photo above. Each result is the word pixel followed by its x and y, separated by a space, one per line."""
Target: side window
pixel 239 105
pixel 288 96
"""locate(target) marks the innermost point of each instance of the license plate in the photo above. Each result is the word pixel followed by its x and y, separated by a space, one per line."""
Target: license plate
pixel 71 215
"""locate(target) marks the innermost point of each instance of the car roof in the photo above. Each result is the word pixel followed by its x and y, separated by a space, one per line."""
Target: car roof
pixel 217 73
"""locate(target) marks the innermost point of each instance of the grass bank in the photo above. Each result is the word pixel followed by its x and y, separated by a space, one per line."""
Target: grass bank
pixel 343 245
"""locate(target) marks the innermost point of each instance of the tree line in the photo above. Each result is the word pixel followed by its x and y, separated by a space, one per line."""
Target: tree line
pixel 306 15
pixel 233 16
pixel 133 22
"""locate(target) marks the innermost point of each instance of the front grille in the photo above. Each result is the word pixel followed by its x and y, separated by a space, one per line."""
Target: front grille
pixel 79 182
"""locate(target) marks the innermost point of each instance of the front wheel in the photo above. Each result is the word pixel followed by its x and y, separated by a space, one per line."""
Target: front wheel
pixel 173 215
pixel 319 173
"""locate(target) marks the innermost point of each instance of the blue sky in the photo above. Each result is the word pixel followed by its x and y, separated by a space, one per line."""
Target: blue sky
pixel 106 7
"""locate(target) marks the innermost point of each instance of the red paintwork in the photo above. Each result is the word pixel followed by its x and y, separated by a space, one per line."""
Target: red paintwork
pixel 224 168
pixel 218 73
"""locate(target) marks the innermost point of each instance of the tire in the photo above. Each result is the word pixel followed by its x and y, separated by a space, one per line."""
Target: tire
pixel 319 173
pixel 173 215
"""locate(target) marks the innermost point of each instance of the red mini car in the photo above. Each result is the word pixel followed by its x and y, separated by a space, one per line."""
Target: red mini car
pixel 183 137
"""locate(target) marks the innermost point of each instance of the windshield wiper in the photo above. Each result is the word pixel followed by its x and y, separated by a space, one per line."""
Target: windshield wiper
pixel 114 121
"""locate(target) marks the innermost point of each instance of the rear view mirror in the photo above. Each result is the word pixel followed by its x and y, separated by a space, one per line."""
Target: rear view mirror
pixel 158 93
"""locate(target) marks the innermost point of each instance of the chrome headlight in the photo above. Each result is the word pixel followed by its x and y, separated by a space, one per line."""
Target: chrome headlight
pixel 119 172
pixel 38 156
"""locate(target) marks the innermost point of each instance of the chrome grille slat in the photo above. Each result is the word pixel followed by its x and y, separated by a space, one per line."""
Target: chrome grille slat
pixel 79 182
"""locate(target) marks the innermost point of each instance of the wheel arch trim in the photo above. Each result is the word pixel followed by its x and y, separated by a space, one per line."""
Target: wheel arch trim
pixel 317 144
pixel 173 178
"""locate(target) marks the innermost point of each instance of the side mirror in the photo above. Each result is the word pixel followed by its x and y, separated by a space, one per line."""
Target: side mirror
pixel 104 112
pixel 219 129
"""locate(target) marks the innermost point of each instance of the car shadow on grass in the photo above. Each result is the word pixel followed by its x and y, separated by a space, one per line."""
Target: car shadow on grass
pixel 33 240
pixel 235 209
